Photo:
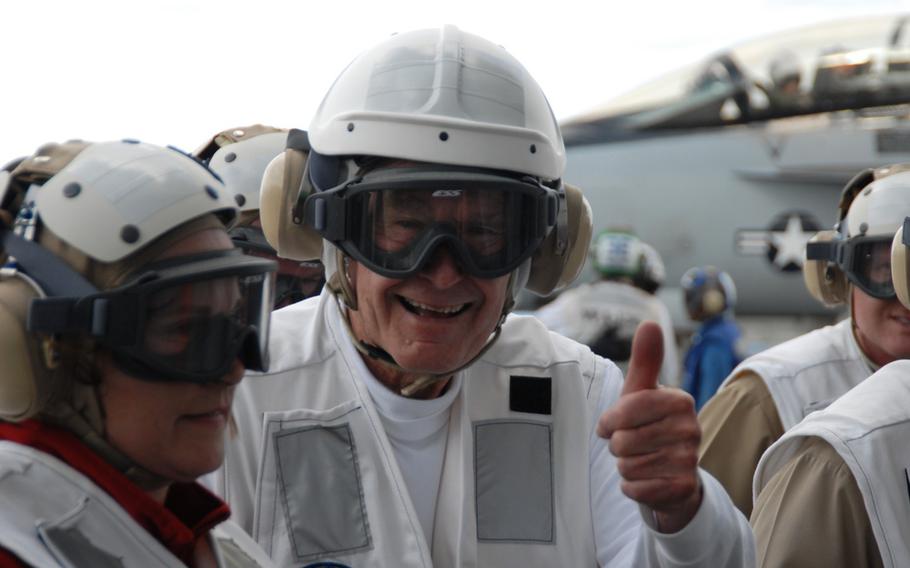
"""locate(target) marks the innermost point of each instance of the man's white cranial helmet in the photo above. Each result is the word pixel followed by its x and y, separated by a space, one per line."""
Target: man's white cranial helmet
pixel 438 110
pixel 441 96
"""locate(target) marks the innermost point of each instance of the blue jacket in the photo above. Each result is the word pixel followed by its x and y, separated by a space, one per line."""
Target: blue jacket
pixel 710 358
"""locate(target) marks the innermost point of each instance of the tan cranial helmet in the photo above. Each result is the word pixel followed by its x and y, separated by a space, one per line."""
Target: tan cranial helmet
pixel 856 253
pixel 239 157
pixel 900 263
pixel 443 109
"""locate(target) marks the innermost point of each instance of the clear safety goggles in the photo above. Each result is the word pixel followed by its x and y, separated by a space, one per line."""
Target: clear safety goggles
pixel 184 319
pixel 393 220
pixel 866 261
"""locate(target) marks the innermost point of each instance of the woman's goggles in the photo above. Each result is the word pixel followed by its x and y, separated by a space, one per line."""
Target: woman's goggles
pixel 184 319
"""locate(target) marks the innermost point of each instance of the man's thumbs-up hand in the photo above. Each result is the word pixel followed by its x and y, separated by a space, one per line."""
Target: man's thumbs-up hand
pixel 654 435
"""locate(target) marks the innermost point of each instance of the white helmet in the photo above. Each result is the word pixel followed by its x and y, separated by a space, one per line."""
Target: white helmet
pixel 441 96
pixel 239 157
pixel 654 272
pixel 119 174
pixel 857 252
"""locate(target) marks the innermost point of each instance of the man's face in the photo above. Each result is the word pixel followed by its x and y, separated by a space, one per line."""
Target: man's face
pixel 432 322
pixel 882 327
pixel 438 319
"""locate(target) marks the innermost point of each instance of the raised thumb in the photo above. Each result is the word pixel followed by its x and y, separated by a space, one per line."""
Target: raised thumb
pixel 647 357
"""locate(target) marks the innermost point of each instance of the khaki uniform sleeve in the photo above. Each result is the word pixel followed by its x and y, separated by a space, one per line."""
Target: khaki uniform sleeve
pixel 738 424
pixel 811 514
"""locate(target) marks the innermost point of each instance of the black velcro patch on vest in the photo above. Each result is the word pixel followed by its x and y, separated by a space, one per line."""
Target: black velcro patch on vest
pixel 530 394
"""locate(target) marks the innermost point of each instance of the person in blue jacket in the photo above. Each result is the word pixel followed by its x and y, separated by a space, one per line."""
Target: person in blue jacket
pixel 710 297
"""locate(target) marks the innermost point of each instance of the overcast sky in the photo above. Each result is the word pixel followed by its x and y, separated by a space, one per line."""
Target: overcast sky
pixel 178 71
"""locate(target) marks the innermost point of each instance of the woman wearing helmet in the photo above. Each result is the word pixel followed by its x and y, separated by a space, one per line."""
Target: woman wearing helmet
pixel 127 318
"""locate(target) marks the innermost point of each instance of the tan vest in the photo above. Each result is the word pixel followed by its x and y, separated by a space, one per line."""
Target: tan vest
pixel 869 427
pixel 514 489
pixel 808 372
pixel 52 515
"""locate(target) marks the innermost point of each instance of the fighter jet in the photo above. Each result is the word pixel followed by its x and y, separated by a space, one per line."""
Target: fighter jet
pixel 738 160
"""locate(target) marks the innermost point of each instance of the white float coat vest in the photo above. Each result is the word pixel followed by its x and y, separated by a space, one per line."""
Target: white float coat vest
pixel 52 515
pixel 869 427
pixel 514 490
pixel 808 372
pixel 585 313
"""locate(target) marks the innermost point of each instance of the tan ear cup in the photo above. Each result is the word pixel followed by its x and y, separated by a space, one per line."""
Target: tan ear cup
pixel 23 376
pixel 713 302
pixel 551 271
pixel 825 282
pixel 277 199
pixel 900 265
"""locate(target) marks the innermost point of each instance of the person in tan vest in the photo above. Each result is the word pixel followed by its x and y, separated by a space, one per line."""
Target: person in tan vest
pixel 770 392
pixel 835 489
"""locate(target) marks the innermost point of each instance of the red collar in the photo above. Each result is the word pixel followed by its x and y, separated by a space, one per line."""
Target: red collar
pixel 188 513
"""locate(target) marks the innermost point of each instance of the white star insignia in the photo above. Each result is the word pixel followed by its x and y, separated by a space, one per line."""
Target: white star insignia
pixel 790 243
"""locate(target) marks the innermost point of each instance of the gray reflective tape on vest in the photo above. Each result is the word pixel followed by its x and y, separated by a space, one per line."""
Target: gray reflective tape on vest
pixel 88 536
pixel 319 476
pixel 70 543
pixel 513 472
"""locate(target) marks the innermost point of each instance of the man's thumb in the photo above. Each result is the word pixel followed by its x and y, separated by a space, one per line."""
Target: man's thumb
pixel 647 357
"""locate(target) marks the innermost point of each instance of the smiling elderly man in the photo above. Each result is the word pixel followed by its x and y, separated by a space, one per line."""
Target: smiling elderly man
pixel 406 420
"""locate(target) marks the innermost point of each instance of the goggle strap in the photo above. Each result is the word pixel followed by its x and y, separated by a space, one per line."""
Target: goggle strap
pixel 821 251
pixel 326 213
pixel 54 276
pixel 68 315
pixel 250 238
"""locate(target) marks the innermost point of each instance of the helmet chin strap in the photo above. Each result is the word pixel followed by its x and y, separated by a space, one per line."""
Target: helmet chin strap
pixel 382 356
